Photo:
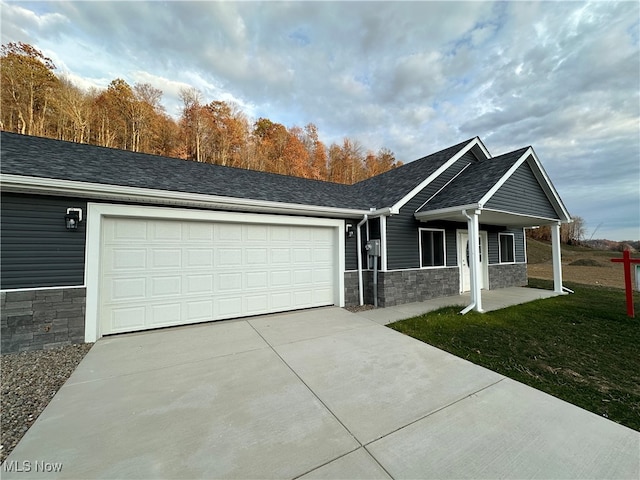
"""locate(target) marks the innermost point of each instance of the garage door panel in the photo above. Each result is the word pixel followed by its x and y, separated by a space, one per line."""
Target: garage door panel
pixel 127 319
pixel 227 232
pixel 280 278
pixel 165 286
pixel 257 256
pixel 166 258
pixel 228 257
pixel 256 304
pixel 280 255
pixel 127 229
pixel 259 280
pixel 302 255
pixel 199 258
pixel 157 273
pixel 165 314
pixel 199 232
pixel 125 289
pixel 229 307
pixel 200 311
pixel 229 282
pixel 126 259
pixel 165 231
pixel 199 283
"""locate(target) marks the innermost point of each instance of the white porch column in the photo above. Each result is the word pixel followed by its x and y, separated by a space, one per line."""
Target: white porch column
pixel 474 260
pixel 557 257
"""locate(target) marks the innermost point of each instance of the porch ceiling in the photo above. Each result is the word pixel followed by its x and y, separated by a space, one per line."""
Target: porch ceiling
pixel 486 217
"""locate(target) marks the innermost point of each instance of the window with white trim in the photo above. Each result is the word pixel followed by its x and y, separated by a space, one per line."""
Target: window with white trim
pixel 432 248
pixel 507 245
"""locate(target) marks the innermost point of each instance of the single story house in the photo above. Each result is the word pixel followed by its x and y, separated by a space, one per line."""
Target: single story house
pixel 98 241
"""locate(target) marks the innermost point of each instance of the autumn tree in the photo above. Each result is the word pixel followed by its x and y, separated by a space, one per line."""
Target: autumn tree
pixel 73 112
pixel 317 168
pixel 28 83
pixel 192 122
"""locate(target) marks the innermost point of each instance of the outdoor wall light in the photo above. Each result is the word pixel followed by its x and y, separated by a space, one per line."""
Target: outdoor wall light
pixel 350 231
pixel 73 218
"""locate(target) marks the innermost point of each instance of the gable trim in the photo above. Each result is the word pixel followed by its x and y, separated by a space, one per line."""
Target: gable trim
pixel 476 142
pixel 98 191
pixel 541 177
pixel 443 187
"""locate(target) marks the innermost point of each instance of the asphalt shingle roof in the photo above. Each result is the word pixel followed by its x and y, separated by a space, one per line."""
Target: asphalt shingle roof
pixel 474 182
pixel 47 158
pixel 388 188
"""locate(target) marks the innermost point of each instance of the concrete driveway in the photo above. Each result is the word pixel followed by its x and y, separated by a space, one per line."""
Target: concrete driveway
pixel 315 394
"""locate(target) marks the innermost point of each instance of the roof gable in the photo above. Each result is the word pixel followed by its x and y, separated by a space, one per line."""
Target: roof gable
pixel 521 193
pixel 473 183
pixel 395 187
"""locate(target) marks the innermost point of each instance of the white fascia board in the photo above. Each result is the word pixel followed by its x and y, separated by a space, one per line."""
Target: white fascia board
pixel 26 184
pixel 446 211
pixel 473 143
pixel 482 148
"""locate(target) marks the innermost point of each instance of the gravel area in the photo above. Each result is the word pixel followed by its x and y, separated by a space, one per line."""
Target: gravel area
pixel 359 308
pixel 29 381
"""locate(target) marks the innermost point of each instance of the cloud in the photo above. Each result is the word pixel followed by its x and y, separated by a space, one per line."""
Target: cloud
pixel 412 76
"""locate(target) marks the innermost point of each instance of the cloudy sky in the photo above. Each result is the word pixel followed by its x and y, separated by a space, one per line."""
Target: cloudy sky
pixel 414 77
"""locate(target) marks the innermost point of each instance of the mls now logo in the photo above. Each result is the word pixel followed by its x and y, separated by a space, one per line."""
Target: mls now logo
pixel 29 466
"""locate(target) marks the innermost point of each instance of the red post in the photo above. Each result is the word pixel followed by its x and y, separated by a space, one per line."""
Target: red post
pixel 627 261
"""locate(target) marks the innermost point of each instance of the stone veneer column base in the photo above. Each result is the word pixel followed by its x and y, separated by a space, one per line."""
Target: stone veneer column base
pixel 42 319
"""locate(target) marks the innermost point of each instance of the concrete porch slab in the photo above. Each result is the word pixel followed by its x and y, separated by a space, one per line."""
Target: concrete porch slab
pixel 491 300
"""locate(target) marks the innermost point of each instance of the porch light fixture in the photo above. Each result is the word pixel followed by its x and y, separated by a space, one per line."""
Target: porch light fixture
pixel 73 218
pixel 350 231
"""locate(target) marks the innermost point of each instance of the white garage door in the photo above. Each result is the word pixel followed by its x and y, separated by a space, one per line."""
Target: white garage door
pixel 157 273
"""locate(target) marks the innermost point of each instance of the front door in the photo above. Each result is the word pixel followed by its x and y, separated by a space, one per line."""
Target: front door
pixel 463 260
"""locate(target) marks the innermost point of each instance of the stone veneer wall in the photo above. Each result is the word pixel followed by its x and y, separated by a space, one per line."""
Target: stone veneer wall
pixel 403 286
pixel 42 319
pixel 509 275
pixel 407 286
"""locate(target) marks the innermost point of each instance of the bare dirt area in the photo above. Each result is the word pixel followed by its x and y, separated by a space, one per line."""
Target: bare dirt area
pixel 579 264
pixel 608 276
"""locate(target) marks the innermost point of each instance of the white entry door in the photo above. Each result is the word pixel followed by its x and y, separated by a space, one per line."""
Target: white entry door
pixel 158 273
pixel 463 260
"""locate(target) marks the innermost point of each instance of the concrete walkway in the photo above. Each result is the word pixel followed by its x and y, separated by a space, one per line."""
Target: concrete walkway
pixel 491 300
pixel 322 393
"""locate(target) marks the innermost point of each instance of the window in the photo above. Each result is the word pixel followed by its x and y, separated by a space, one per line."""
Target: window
pixel 507 247
pixel 432 253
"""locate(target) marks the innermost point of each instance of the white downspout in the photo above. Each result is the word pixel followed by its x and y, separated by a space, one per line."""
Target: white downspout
pixel 473 235
pixel 359 240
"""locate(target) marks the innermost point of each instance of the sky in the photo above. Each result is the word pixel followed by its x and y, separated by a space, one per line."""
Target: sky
pixel 414 77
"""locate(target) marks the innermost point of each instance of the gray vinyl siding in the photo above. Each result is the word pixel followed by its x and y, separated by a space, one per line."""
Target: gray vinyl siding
pixel 36 249
pixel 522 193
pixel 402 230
pixel 494 245
pixel 351 246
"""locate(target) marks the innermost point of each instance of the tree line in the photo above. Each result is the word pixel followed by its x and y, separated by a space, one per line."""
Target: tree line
pixel 36 101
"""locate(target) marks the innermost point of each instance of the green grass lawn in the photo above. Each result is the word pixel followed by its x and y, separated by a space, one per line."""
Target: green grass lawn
pixel 581 348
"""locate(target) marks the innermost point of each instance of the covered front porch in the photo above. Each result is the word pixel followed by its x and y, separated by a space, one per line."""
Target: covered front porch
pixel 475 216
pixel 492 300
